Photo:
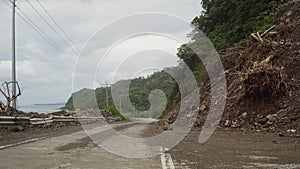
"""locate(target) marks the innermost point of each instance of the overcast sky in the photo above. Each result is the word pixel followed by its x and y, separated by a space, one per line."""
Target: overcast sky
pixel 103 31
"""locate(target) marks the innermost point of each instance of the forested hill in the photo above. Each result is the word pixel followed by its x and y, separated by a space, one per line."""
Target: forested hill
pixel 139 91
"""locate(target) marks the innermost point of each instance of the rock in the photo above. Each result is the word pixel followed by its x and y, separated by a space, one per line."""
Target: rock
pixel 287 20
pixel 270 117
pixel 244 114
pixel 202 108
pixel 284 106
pixel 168 126
pixel 227 123
pixel 18 129
pixel 260 116
pixel 272 129
pixel 291 131
pixel 189 115
pixel 262 121
pixel 235 124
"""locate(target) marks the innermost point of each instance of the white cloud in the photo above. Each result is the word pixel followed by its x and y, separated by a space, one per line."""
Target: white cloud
pixel 46 74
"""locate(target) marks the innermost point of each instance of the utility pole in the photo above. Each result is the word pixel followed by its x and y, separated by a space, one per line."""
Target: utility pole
pixel 106 91
pixel 120 97
pixel 14 104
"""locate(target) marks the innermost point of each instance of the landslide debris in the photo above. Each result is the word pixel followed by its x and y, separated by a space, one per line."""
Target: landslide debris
pixel 263 80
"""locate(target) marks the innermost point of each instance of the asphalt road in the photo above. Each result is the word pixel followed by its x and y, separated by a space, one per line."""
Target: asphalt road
pixel 76 151
pixel 226 149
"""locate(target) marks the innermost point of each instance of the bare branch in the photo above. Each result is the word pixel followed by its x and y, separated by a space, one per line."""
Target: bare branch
pixel 6 93
pixel 257 37
pixel 267 31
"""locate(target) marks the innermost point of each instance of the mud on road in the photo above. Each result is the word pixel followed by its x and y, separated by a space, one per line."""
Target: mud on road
pixel 236 149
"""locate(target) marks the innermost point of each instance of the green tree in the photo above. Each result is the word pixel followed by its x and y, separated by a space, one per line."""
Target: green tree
pixel 226 22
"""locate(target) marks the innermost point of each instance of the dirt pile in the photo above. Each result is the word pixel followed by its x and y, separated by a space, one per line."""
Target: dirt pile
pixel 12 112
pixel 17 113
pixel 263 75
pixel 263 78
pixel 4 129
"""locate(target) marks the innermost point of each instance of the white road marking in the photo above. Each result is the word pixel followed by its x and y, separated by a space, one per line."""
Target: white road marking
pixel 166 159
pixel 255 157
pixel 20 143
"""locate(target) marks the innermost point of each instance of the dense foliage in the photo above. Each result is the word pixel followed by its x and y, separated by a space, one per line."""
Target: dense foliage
pixel 226 22
pixel 139 91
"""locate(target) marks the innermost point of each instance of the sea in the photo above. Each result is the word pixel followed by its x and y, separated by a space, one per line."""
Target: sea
pixel 41 108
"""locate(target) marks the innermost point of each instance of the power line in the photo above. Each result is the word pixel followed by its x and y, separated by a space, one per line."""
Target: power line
pixel 36 28
pixel 59 27
pixel 54 30
pixel 47 38
pixel 40 30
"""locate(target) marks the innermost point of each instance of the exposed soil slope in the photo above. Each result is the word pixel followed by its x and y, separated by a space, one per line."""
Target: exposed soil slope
pixel 263 76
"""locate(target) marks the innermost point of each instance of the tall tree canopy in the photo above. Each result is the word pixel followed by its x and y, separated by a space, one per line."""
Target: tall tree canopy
pixel 226 22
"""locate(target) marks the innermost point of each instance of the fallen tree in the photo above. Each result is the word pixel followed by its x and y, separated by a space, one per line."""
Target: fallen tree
pixel 7 93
